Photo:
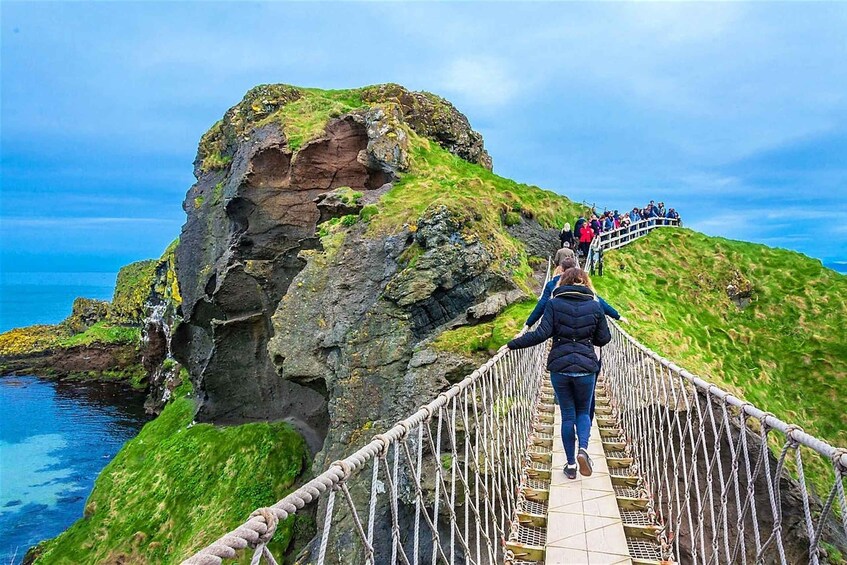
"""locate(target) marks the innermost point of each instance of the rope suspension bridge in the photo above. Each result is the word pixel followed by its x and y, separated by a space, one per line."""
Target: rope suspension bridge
pixel 684 473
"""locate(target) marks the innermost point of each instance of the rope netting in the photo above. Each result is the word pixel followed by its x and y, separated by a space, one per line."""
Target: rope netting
pixel 727 480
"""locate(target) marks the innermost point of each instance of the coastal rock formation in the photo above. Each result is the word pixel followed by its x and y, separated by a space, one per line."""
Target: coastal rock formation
pixel 263 187
pixel 126 339
pixel 294 307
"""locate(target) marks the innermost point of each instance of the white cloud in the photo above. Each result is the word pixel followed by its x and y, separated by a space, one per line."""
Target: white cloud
pixel 482 80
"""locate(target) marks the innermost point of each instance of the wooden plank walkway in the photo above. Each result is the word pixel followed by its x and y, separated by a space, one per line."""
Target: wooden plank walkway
pixel 584 525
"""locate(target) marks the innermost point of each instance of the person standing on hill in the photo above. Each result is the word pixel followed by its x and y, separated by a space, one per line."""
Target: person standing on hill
pixel 575 322
pixel 596 251
pixel 577 229
pixel 595 225
pixel 566 235
pixel 634 215
pixel 586 234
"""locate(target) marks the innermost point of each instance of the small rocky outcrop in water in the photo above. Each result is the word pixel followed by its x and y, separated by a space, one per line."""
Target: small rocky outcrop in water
pixel 99 340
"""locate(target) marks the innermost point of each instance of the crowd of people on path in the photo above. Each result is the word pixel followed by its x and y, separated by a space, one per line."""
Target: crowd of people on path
pixel 592 224
pixel 572 314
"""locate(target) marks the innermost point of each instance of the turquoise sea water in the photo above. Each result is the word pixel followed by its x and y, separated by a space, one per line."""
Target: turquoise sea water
pixel 46 298
pixel 55 438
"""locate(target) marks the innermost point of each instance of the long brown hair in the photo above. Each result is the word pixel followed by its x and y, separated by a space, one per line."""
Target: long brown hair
pixel 575 275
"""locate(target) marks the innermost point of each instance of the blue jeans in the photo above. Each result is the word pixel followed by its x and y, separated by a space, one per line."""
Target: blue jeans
pixel 574 393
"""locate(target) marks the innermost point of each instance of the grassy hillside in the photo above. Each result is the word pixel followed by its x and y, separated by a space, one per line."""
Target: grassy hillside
pixel 178 486
pixel 786 352
pixel 485 203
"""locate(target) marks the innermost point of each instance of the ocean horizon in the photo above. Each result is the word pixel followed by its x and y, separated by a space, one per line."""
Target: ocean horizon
pixel 838 266
pixel 28 298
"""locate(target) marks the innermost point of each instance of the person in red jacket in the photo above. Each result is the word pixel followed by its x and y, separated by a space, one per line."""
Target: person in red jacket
pixel 586 234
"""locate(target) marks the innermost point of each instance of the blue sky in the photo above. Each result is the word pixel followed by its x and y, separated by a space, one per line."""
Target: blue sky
pixel 736 114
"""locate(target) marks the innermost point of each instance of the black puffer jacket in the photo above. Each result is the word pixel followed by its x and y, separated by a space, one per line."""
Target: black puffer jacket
pixel 575 321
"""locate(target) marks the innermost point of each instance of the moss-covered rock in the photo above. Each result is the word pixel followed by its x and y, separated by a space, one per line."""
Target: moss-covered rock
pixel 30 339
pixel 106 341
pixel 132 289
pixel 303 114
pixel 435 118
pixel 85 313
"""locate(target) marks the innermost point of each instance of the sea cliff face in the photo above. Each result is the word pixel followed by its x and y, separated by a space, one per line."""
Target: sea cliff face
pixel 267 176
pixel 324 252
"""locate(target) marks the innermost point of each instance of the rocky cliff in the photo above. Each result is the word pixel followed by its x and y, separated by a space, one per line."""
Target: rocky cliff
pixel 125 339
pixel 295 301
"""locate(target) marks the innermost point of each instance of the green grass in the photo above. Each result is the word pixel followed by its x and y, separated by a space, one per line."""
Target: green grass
pixel 786 352
pixel 176 487
pixel 485 203
pixel 305 118
pixel 488 337
pixel 30 339
pixel 215 161
pixel 368 212
pixel 103 332
pixel 33 339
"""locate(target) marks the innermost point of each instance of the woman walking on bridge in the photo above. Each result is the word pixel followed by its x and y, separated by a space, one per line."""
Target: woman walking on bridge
pixel 575 321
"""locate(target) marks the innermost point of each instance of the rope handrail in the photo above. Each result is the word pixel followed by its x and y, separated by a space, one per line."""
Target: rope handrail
pixel 704 455
pixel 796 433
